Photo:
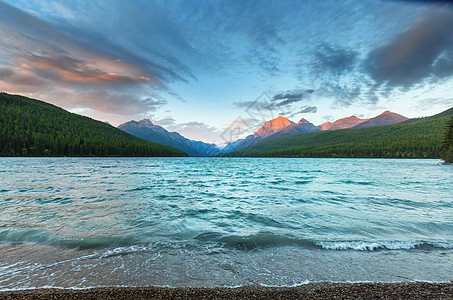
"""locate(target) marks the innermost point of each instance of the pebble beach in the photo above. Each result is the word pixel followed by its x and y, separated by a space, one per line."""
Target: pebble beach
pixel 413 290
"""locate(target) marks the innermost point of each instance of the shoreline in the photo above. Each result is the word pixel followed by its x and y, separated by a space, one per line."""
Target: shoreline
pixel 322 290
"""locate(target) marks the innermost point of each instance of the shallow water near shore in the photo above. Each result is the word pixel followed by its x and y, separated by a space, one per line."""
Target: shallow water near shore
pixel 204 222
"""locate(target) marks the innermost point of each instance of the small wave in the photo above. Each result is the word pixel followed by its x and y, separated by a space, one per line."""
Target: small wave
pixel 277 181
pixel 389 245
pixel 43 237
pixel 268 239
pixel 258 240
pixel 95 242
pixel 139 173
pixel 122 251
pixel 141 188
pixel 302 181
pixel 357 182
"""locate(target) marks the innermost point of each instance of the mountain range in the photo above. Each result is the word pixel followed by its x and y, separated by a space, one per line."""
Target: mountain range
pixel 31 127
pixel 276 128
pixel 413 138
pixel 282 127
pixel 146 130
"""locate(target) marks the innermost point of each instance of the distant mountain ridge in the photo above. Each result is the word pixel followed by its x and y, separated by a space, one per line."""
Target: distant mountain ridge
pixel 343 123
pixel 413 138
pixel 273 126
pixel 386 118
pixel 277 127
pixel 146 130
pixel 283 127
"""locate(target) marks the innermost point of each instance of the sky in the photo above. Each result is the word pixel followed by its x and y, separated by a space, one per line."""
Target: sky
pixel 217 70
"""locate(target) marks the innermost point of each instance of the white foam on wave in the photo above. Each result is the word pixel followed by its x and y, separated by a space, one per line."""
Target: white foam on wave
pixel 305 282
pixel 220 286
pixel 389 245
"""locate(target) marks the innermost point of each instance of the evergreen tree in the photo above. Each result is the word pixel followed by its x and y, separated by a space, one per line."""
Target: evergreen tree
pixel 415 138
pixel 30 127
pixel 447 154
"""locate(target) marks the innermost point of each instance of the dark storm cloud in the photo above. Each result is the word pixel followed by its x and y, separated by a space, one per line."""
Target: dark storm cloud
pixel 422 52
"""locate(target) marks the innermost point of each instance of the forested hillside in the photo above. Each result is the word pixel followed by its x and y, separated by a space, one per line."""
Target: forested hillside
pixel 447 154
pixel 30 127
pixel 415 138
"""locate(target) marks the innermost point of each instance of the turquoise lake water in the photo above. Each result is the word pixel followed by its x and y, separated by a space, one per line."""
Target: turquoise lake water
pixel 83 222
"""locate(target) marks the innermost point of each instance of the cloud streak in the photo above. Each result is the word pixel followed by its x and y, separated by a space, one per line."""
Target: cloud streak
pixel 334 60
pixel 38 56
pixel 422 52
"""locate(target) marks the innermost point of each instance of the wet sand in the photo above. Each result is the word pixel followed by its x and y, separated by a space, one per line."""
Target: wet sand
pixel 413 290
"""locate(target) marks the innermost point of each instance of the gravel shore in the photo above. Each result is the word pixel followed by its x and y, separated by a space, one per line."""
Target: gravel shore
pixel 413 290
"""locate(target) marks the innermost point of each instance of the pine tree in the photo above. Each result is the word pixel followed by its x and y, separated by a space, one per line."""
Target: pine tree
pixel 447 154
pixel 30 127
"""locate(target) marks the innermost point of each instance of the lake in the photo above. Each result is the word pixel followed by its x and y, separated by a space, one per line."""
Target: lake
pixel 203 222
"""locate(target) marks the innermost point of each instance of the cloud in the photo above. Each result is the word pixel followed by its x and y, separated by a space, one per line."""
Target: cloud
pixel 77 38
pixel 422 52
pixel 304 110
pixel 427 103
pixel 334 60
pixel 347 94
pixel 308 110
pixel 131 57
pixel 278 101
pixel 264 51
pixel 16 77
pixel 198 131
pixel 288 97
pixel 245 104
pixel 284 102
pixel 167 121
pixel 334 70
pixel 86 69
pixel 122 104
pixel 244 123
pixel 63 67
pixel 240 128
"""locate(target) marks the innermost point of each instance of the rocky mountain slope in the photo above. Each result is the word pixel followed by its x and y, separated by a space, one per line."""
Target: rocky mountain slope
pixel 146 130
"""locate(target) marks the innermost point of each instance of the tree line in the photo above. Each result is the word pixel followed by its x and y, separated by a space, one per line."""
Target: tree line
pixel 447 154
pixel 415 138
pixel 30 127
